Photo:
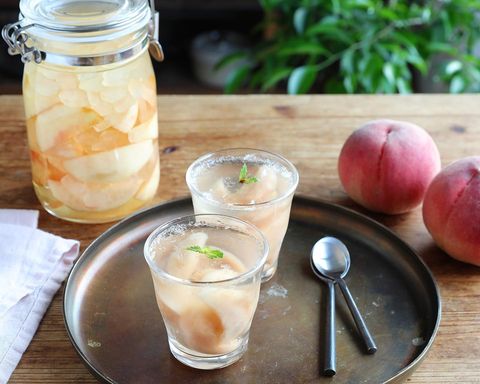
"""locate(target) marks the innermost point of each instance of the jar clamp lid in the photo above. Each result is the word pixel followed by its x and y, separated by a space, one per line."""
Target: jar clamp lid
pixel 76 33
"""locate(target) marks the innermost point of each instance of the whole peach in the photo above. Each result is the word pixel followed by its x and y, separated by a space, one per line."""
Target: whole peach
pixel 387 165
pixel 451 210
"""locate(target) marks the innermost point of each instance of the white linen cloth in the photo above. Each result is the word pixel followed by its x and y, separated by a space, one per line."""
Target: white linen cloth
pixel 33 265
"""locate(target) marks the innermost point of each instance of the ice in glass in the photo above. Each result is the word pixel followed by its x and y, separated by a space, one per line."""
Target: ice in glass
pixel 206 274
pixel 252 185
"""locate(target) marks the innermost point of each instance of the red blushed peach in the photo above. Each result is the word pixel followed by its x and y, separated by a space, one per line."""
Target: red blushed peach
pixel 387 165
pixel 451 210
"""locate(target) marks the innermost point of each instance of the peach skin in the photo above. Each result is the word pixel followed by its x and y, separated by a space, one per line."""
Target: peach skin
pixel 387 165
pixel 451 210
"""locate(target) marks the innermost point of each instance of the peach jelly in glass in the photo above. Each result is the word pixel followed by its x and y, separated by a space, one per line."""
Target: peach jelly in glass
pixel 207 300
pixel 263 198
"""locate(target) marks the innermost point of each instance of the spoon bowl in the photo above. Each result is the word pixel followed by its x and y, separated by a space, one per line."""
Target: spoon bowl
pixel 331 258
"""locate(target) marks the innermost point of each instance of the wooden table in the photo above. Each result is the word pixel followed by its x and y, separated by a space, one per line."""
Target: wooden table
pixel 310 131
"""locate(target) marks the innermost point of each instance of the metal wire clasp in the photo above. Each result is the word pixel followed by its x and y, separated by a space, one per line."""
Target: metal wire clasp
pixel 16 37
pixel 155 47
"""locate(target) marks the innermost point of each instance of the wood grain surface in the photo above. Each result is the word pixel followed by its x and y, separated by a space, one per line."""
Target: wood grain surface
pixel 310 131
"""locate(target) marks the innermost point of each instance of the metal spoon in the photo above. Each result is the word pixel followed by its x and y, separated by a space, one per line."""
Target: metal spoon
pixel 329 362
pixel 332 259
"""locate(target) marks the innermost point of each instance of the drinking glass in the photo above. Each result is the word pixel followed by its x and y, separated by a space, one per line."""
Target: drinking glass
pixel 206 275
pixel 263 198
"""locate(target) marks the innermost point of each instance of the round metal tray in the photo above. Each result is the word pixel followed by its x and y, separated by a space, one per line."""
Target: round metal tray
pixel 114 323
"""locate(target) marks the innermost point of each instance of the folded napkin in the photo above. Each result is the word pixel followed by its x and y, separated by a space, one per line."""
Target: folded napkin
pixel 33 265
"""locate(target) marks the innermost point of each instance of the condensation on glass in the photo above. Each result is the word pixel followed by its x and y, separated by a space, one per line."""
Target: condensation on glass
pixel 90 103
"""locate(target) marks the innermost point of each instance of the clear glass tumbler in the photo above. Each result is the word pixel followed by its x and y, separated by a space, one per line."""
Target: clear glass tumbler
pixel 206 275
pixel 253 185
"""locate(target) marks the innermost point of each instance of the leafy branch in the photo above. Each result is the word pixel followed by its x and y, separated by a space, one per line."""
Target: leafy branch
pixel 358 46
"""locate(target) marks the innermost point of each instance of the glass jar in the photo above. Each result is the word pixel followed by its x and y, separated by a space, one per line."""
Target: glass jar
pixel 90 103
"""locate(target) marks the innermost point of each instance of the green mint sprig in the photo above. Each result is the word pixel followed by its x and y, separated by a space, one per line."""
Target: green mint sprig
pixel 244 178
pixel 207 251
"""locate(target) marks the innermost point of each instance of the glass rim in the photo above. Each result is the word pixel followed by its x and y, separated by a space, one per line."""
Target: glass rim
pixel 240 207
pixel 243 276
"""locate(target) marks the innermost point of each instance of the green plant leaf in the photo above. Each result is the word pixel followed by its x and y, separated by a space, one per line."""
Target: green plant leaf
pixel 475 73
pixel 301 79
pixel 257 79
pixel 346 62
pixel 302 48
pixel 453 67
pixel 334 86
pixel 426 14
pixel 336 7
pixel 403 86
pixel 299 19
pixel 236 79
pixel 350 83
pixel 440 47
pixel 457 84
pixel 229 59
pixel 382 51
pixel 389 73
pixel 417 61
pixel 386 87
pixel 388 14
pixel 330 31
pixel 274 77
pixel 371 67
pixel 446 22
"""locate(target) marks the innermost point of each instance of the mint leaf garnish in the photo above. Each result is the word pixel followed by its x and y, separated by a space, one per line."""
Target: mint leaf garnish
pixel 207 251
pixel 244 178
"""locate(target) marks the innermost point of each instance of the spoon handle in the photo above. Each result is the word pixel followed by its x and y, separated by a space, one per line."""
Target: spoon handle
pixel 360 323
pixel 329 364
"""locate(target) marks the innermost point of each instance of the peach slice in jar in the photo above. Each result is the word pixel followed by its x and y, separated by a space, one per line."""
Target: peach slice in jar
pixel 45 89
pixel 142 89
pixel 55 80
pixel 92 141
pixel 120 76
pixel 110 166
pixel 45 167
pixel 34 101
pixel 123 120
pixel 39 168
pixel 93 196
pixel 73 98
pixel 149 188
pixel 90 81
pixel 144 131
pixel 102 107
pixel 51 124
